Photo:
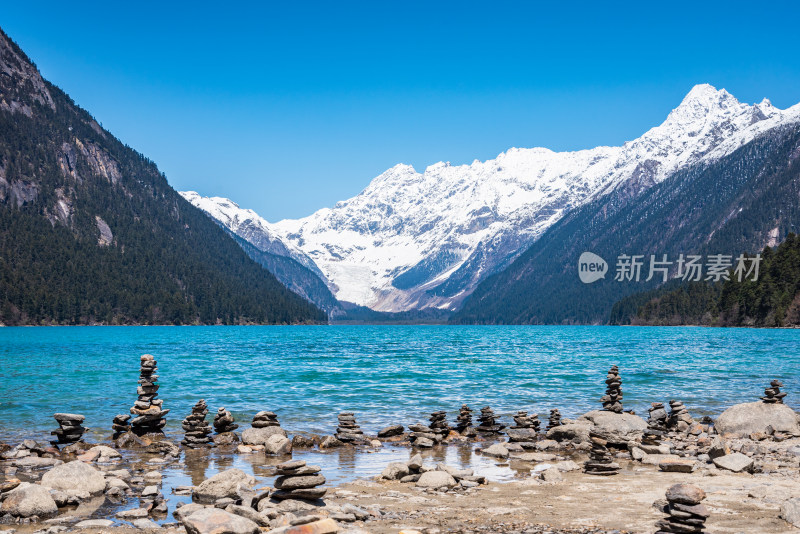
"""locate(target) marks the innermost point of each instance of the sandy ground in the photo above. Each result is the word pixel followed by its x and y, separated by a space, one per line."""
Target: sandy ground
pixel 739 503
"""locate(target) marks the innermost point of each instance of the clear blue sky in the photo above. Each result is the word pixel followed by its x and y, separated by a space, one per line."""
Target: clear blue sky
pixel 289 107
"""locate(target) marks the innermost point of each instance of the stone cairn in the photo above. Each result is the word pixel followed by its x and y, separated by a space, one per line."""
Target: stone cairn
pixel 523 420
pixel 612 400
pixel 600 461
pixel 423 436
pixel 121 424
pixel 198 431
pixel 70 429
pixel 439 425
pixel 773 394
pixel 555 419
pixel 679 418
pixel 223 421
pixel 657 416
pixel 348 430
pixel 685 510
pixel 265 419
pixel 464 419
pixel 487 422
pixel 296 480
pixel 147 409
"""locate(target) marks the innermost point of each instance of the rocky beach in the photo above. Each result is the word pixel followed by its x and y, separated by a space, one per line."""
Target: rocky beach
pixel 668 473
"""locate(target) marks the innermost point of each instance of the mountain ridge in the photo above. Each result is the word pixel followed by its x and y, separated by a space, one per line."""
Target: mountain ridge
pixel 414 240
pixel 92 233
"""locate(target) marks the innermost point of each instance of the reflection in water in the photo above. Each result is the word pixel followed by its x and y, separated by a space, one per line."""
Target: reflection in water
pixel 339 466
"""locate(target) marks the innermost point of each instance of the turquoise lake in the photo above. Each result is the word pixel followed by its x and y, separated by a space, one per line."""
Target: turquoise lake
pixel 386 374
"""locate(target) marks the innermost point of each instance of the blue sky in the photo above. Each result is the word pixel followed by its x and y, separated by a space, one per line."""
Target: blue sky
pixel 289 107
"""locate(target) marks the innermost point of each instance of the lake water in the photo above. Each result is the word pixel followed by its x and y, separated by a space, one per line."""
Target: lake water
pixel 386 374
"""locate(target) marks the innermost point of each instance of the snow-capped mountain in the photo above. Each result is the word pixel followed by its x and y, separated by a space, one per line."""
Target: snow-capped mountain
pixel 416 240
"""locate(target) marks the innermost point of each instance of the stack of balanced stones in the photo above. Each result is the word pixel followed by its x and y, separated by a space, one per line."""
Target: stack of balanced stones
pixel 439 424
pixel 70 429
pixel 265 419
pixel 523 420
pixel 423 435
pixel 148 410
pixel 679 418
pixel 685 510
pixel 464 419
pixel 198 431
pixel 348 430
pixel 773 394
pixel 487 422
pixel 554 419
pixel 657 416
pixel 120 424
pixel 612 400
pixel 296 480
pixel 600 461
pixel 223 421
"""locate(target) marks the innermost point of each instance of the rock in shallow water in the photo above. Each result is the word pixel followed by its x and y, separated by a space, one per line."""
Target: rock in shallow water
pixel 75 476
pixel 221 485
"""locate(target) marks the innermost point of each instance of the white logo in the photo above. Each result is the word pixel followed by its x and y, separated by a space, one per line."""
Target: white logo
pixel 591 267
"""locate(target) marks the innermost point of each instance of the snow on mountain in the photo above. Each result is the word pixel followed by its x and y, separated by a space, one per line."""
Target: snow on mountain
pixel 250 226
pixel 415 240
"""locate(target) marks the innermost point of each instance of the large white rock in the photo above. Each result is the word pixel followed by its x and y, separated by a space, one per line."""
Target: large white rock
pixel 436 479
pixel 615 427
pixel 216 521
pixel 27 500
pixel 744 419
pixel 75 476
pixel 259 436
pixel 225 484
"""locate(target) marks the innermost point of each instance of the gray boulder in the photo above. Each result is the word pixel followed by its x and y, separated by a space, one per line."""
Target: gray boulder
pixel 745 419
pixel 259 436
pixel 736 462
pixel 216 521
pixel 395 471
pixel 790 511
pixel 75 476
pixel 28 500
pixel 617 428
pixel 521 434
pixel 436 479
pixel 278 445
pixel 574 432
pixel 497 450
pixel 221 485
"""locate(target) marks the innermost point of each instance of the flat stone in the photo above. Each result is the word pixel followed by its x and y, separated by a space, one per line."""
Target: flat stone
pixel 145 524
pixel 736 462
pixel 133 514
pixel 436 479
pixel 677 465
pixel 299 482
pixel 216 521
pixel 686 494
pixel 95 523
pixel 497 450
pixel 322 526
pixel 389 431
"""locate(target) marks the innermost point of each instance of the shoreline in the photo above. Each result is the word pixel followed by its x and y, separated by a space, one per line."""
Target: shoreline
pixel 544 489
